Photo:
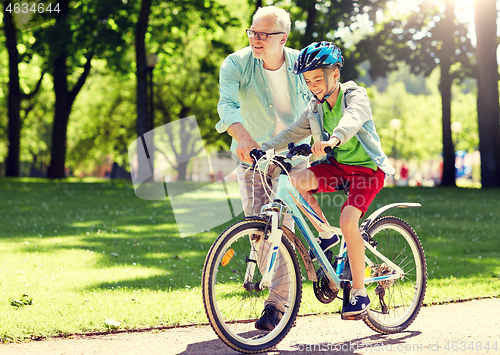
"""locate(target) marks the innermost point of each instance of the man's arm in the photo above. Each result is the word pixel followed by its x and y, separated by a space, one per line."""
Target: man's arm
pixel 228 105
pixel 245 142
pixel 229 110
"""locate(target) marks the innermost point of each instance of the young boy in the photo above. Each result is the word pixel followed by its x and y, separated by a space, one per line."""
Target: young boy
pixel 343 111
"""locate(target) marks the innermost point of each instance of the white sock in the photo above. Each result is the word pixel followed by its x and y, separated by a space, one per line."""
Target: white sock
pixel 359 292
pixel 325 235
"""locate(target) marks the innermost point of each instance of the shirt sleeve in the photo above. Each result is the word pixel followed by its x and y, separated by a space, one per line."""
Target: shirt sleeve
pixel 356 113
pixel 229 105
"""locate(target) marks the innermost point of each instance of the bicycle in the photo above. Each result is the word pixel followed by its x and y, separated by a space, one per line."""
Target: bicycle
pixel 234 289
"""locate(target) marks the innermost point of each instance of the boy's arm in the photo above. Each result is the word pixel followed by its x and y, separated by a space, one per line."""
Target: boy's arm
pixel 294 133
pixel 356 113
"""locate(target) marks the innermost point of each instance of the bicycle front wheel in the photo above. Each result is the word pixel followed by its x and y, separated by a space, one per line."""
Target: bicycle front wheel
pixel 231 308
pixel 395 303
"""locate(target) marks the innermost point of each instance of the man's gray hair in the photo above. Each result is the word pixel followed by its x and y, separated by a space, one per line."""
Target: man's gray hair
pixel 283 21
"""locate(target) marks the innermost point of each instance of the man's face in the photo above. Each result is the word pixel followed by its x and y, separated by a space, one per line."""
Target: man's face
pixel 272 46
pixel 315 80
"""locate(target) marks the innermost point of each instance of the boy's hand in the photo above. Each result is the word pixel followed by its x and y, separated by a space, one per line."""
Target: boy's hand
pixel 318 148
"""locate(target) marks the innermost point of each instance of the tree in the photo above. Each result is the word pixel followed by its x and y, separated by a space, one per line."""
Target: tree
pixel 141 74
pixel 15 96
pixel 191 39
pixel 485 13
pixel 68 44
pixel 314 21
pixel 105 128
pixel 448 49
pixel 425 40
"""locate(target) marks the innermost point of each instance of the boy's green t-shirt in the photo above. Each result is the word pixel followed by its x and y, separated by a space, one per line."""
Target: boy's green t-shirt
pixel 352 152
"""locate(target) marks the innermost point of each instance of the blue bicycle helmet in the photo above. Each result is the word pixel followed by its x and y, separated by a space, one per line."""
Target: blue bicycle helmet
pixel 318 56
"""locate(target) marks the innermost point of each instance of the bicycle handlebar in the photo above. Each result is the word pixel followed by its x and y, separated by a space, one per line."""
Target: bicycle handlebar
pixel 293 150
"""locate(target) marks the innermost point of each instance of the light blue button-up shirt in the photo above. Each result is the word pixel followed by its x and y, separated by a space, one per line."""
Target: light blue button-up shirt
pixel 245 96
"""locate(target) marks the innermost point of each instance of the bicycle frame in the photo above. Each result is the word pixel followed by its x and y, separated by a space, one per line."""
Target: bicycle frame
pixel 284 193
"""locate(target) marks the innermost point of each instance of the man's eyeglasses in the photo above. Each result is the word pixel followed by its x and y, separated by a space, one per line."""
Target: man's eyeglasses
pixel 261 35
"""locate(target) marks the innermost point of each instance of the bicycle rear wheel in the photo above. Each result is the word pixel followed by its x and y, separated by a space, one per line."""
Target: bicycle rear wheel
pixel 231 309
pixel 396 303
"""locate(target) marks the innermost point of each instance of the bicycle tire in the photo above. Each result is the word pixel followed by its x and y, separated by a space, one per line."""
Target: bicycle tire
pixel 238 331
pixel 397 241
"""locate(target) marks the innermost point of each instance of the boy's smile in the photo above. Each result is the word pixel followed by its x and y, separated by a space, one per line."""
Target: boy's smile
pixel 315 80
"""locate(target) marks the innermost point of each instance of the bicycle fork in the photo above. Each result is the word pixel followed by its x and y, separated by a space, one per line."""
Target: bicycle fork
pixel 257 246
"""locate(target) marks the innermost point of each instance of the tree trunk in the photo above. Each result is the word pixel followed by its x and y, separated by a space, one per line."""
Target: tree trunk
pixel 182 170
pixel 61 117
pixel 142 80
pixel 488 110
pixel 310 7
pixel 64 102
pixel 445 89
pixel 12 167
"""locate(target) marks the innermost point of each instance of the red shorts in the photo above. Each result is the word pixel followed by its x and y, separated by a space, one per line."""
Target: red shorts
pixel 364 183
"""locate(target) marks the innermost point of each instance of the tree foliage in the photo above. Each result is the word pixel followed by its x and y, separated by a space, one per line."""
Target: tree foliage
pixel 429 38
pixel 190 44
pixel 420 135
pixel 90 91
pixel 90 28
pixel 315 20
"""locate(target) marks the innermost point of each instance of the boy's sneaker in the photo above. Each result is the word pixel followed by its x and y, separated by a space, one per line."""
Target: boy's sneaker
pixel 270 318
pixel 325 244
pixel 356 306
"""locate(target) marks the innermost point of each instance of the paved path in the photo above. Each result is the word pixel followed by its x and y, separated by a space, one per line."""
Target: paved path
pixel 469 324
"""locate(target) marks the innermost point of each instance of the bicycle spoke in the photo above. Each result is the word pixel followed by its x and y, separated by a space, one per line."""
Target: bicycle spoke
pixel 234 308
pixel 403 297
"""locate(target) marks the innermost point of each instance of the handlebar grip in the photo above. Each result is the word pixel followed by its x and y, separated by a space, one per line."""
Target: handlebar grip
pixel 256 154
pixel 328 150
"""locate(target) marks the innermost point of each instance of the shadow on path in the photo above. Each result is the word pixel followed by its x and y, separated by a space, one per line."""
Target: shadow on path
pixel 373 343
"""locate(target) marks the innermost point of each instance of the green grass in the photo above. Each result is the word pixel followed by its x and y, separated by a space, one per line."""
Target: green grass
pixel 90 251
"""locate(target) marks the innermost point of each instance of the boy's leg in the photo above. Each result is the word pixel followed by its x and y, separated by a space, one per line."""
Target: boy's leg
pixel 304 182
pixel 349 224
pixel 365 184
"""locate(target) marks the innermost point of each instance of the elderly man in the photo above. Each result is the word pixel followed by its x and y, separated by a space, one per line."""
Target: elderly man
pixel 259 97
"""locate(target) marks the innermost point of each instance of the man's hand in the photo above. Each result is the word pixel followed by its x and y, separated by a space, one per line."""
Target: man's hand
pixel 245 146
pixel 245 142
pixel 318 148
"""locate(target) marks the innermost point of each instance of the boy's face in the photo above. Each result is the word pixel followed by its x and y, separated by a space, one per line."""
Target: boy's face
pixel 272 46
pixel 315 80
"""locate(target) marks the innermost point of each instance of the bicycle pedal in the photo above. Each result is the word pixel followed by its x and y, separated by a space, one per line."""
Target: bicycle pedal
pixel 360 316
